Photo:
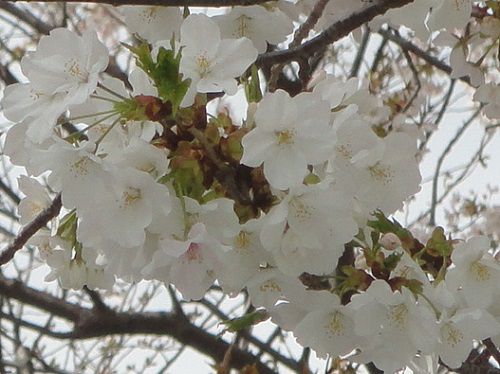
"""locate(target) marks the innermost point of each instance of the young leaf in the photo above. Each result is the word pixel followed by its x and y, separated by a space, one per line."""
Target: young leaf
pixel 164 72
pixel 246 321
pixel 252 86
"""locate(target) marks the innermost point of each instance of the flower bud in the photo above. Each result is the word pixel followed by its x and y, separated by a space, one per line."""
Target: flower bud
pixel 390 241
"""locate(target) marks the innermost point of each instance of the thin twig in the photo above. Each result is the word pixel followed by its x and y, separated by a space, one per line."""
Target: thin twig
pixel 492 349
pixel 416 78
pixel 361 52
pixel 31 229
pixel 26 17
pixel 440 115
pixel 90 324
pixel 96 299
pixel 453 141
pixel 333 33
pixel 309 23
pixel 466 169
pixel 417 51
pixel 299 35
pixel 9 192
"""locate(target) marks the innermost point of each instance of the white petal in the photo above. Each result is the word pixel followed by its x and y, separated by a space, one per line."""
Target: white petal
pixel 286 169
pixel 257 147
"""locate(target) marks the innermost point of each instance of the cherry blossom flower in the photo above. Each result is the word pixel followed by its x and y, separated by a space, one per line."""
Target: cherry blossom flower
pixel 270 285
pixel 394 326
pixel 308 229
pixel 381 175
pixel 476 272
pixel 458 331
pixel 210 62
pixel 242 256
pixel 77 172
pixel 489 94
pixel 65 62
pixel 286 139
pixel 319 321
pixel 79 271
pixel 153 23
pixel 193 271
pixel 36 201
pixel 189 243
pixel 39 110
pixel 63 71
pixel 257 24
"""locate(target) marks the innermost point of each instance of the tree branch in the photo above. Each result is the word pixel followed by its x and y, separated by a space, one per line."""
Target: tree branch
pixel 26 17
pixel 8 190
pixel 265 347
pixel 361 52
pixel 417 51
pixel 333 33
pixel 309 23
pixel 6 75
pixel 31 229
pixel 91 323
pixel 17 290
pixel 96 299
pixel 492 349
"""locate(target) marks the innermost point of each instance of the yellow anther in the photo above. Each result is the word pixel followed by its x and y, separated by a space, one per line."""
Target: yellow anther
pixel 285 137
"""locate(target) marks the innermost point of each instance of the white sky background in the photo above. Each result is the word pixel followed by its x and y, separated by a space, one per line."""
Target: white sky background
pixel 460 155
pixel 192 362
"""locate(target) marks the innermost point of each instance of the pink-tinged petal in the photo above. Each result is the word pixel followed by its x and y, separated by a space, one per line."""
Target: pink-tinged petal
pixel 175 248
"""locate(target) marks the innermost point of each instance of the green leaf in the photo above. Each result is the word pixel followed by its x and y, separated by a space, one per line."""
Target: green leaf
pixel 391 261
pixel 246 321
pixel 384 224
pixel 67 227
pixel 439 244
pixel 130 109
pixel 351 280
pixel 311 178
pixel 166 75
pixel 252 86
pixel 187 177
pixel 164 72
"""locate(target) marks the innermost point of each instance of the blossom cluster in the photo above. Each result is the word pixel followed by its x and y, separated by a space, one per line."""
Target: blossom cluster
pixel 291 205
